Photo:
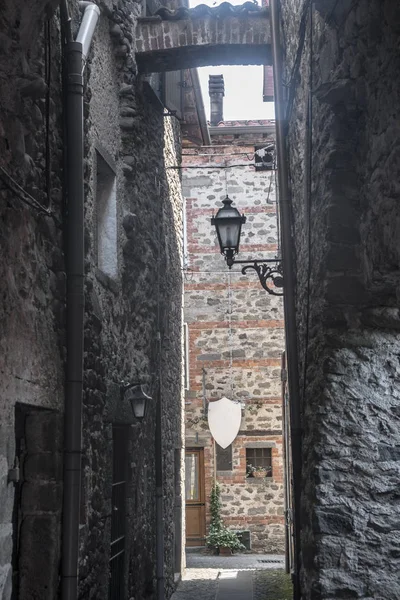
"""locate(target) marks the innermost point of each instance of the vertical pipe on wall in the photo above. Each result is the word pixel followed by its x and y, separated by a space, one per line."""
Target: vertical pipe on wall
pixel 159 499
pixel 289 295
pixel 74 263
pixel 75 311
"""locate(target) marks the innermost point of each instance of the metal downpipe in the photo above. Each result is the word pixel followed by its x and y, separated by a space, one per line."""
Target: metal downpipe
pixel 75 312
pixel 160 575
pixel 75 300
pixel 289 295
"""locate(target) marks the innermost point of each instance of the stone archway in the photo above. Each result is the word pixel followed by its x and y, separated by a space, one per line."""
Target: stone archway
pixel 173 40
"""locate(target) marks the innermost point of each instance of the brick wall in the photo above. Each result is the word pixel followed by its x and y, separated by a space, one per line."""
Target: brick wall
pixel 235 335
pixel 188 43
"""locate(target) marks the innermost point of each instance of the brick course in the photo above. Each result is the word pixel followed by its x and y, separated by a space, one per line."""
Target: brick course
pixel 236 335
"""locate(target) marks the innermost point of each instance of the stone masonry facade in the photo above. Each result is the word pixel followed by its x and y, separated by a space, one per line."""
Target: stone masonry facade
pixel 236 335
pixel 133 306
pixel 196 40
pixel 342 71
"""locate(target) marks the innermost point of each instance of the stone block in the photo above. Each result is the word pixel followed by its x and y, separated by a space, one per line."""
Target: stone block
pixel 41 497
pixel 45 466
pixel 43 431
pixel 38 563
pixel 5 543
pixel 6 581
pixel 6 498
pixel 332 522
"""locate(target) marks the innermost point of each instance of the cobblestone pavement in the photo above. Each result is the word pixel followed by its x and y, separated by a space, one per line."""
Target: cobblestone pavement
pixel 210 577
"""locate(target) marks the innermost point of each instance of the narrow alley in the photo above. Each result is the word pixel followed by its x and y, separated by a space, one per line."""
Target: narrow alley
pixel 199 306
pixel 239 577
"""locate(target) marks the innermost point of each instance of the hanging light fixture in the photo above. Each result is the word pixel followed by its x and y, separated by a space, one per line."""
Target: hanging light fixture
pixel 228 224
pixel 139 400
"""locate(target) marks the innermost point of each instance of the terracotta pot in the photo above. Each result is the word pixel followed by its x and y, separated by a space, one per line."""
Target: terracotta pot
pixel 258 474
pixel 224 551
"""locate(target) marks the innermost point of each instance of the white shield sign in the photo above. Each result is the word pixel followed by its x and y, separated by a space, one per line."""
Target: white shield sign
pixel 224 417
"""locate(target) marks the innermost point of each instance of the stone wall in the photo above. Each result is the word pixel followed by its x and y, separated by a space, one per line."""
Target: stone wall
pixel 133 317
pixel 133 320
pixel 342 72
pixel 235 335
pixel 184 43
pixel 32 286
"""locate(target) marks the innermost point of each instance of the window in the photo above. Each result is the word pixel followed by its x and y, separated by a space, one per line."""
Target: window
pixel 264 157
pixel 106 199
pixel 224 458
pixel 258 462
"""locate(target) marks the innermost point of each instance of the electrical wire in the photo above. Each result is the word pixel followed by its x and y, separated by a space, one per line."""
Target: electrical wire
pixel 210 168
pixel 22 194
pixel 230 336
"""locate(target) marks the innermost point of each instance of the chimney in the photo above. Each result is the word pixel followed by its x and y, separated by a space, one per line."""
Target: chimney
pixel 216 90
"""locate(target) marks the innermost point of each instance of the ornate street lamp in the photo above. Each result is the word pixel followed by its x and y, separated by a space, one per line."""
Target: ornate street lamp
pixel 139 400
pixel 228 224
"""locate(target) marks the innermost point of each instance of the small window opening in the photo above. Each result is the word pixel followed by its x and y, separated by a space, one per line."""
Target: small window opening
pixel 106 197
pixel 258 462
pixel 224 458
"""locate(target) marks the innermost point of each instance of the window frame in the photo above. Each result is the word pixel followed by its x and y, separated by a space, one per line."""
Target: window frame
pixel 263 460
pixel 105 163
pixel 221 451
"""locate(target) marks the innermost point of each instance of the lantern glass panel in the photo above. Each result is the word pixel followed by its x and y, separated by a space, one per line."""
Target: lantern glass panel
pixel 139 407
pixel 229 233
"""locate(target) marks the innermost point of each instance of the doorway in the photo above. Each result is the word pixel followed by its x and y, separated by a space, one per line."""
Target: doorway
pixel 195 497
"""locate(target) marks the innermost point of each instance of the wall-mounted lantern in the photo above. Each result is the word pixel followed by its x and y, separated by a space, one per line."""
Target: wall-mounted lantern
pixel 228 224
pixel 139 400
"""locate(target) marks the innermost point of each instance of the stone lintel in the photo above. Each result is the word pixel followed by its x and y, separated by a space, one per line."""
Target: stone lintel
pixel 190 57
pixel 173 45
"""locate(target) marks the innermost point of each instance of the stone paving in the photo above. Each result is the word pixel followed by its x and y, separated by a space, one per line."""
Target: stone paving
pixel 238 577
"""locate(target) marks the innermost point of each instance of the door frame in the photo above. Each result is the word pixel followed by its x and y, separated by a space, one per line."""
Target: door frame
pixel 200 503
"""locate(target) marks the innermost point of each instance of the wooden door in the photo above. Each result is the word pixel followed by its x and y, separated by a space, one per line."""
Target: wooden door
pixel 195 497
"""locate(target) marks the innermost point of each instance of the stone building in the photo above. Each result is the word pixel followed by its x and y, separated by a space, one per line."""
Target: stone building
pixel 124 530
pixel 234 333
pixel 341 70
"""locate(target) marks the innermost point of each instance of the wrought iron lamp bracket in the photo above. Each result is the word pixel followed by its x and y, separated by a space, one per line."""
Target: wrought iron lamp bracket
pixel 268 271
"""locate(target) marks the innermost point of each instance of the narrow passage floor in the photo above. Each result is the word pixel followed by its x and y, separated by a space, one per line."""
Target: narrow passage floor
pixel 239 577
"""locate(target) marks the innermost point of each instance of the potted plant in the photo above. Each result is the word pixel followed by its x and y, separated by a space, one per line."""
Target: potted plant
pixel 220 537
pixel 257 471
pixel 224 540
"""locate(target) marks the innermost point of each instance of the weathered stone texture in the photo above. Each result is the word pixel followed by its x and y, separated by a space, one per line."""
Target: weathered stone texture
pixel 201 41
pixel 31 271
pixel 346 224
pixel 133 320
pixel 235 335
